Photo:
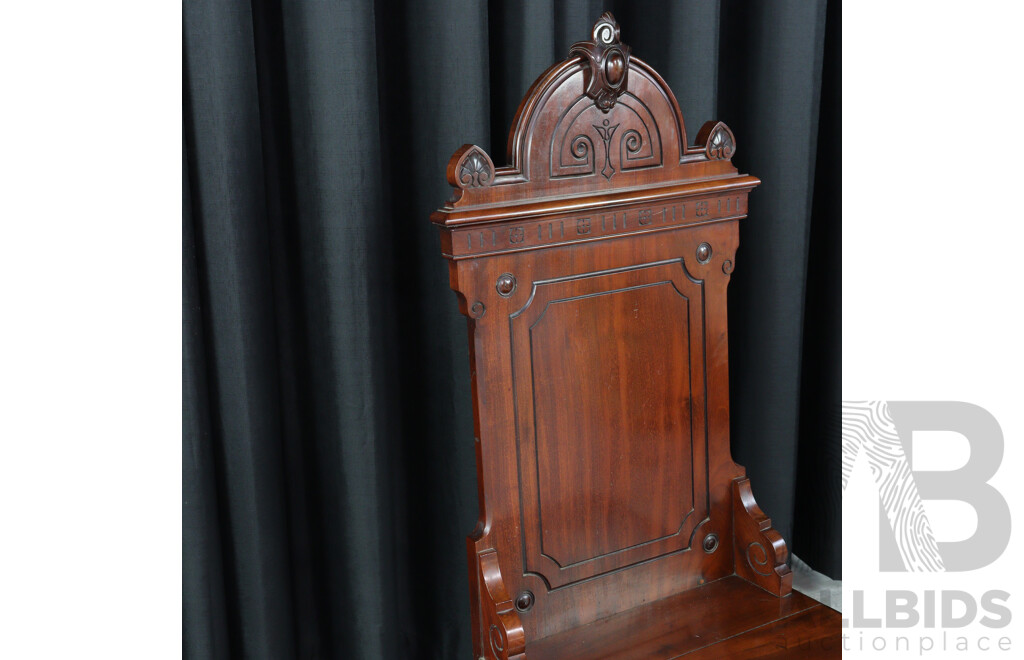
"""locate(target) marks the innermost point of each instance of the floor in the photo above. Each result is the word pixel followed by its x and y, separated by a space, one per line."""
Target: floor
pixel 820 587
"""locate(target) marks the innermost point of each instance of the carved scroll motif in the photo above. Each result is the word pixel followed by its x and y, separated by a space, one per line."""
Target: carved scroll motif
pixel 628 137
pixel 760 552
pixel 505 638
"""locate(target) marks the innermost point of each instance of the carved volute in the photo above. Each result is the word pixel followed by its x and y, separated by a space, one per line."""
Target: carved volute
pixel 604 80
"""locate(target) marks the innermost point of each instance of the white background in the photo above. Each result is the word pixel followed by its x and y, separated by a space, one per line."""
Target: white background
pixel 933 148
pixel 90 286
pixel 90 330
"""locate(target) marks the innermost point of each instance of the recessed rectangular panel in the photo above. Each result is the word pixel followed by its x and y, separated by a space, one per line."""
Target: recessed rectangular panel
pixel 611 415
pixel 609 386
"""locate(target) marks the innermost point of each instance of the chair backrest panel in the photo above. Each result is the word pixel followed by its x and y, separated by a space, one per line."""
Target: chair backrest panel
pixel 593 270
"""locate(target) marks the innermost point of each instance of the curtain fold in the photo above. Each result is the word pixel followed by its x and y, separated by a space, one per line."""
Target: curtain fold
pixel 817 517
pixel 328 465
pixel 768 94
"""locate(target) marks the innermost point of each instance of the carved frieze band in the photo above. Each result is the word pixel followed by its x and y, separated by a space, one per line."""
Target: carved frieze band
pixel 526 234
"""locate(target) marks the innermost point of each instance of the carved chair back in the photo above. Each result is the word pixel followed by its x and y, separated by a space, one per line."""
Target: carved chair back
pixel 593 269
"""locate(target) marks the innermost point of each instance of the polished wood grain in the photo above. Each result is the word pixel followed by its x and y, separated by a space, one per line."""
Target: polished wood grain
pixel 812 634
pixel 593 270
pixel 722 619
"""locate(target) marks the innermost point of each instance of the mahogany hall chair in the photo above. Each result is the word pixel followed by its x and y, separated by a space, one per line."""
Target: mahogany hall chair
pixel 593 269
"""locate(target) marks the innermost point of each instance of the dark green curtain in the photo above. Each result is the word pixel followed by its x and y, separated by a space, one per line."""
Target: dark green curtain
pixel 328 469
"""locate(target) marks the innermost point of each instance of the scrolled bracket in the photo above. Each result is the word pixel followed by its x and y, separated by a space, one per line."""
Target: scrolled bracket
pixel 759 551
pixel 504 637
pixel 607 73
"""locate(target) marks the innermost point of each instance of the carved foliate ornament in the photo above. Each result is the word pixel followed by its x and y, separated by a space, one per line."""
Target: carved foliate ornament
pixel 471 168
pixel 607 73
pixel 721 144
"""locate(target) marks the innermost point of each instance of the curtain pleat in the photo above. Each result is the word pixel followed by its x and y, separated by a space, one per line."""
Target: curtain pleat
pixel 817 516
pixel 328 464
pixel 769 88
pixel 237 325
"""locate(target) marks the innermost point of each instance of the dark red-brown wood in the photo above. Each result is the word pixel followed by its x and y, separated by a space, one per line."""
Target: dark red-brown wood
pixel 593 270
pixel 728 618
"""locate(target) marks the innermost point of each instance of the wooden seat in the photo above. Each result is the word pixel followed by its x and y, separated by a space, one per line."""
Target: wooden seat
pixel 593 269
pixel 727 618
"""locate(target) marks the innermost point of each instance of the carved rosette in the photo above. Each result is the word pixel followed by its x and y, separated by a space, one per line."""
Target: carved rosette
pixel 721 144
pixel 470 167
pixel 607 73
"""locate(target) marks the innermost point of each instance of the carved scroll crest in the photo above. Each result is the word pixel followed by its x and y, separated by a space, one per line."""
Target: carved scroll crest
pixel 589 123
pixel 608 58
